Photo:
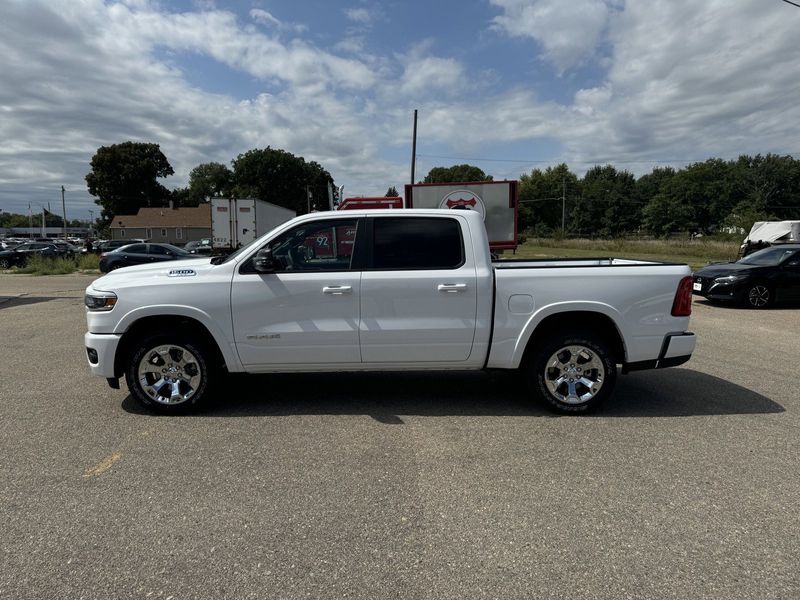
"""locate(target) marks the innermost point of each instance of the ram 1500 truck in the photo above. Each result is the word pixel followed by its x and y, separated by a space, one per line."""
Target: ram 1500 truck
pixel 385 290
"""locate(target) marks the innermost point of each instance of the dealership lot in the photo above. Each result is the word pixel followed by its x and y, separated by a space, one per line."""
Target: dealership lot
pixel 399 485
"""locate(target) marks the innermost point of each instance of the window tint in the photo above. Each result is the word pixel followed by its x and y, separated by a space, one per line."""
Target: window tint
pixel 318 246
pixel 417 243
pixel 136 249
pixel 157 249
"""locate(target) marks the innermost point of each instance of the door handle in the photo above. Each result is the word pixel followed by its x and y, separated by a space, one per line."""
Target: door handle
pixel 451 288
pixel 337 290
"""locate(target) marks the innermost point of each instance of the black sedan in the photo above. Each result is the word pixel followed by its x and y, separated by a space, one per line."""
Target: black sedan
pixel 19 256
pixel 756 280
pixel 140 254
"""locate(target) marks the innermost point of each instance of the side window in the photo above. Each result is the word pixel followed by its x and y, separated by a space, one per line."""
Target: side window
pixel 157 249
pixel 417 243
pixel 317 246
pixel 136 249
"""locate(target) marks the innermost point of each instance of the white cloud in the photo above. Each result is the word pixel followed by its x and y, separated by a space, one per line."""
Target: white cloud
pixel 259 15
pixel 359 15
pixel 569 32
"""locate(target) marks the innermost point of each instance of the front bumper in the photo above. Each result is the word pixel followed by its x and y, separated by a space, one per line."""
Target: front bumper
pixel 676 350
pixel 101 350
pixel 730 290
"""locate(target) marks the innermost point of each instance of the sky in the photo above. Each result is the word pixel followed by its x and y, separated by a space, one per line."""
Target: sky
pixel 507 85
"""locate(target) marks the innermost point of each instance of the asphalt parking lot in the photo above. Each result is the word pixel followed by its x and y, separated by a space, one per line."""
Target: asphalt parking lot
pixel 687 485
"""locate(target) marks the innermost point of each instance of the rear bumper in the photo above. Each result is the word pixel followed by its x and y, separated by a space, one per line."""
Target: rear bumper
pixel 101 349
pixel 676 350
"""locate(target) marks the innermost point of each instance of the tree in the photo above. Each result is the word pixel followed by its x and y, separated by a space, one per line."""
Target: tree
pixel 607 204
pixel 124 178
pixel 208 180
pixel 540 198
pixel 391 192
pixel 456 174
pixel 282 178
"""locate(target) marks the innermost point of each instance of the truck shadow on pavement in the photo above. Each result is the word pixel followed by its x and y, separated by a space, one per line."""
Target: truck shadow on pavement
pixel 23 300
pixel 384 396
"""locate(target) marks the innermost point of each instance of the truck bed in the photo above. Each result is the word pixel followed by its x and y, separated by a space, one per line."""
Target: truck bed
pixel 543 263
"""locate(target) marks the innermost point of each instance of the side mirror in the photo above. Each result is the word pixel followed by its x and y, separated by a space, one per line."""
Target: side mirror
pixel 263 262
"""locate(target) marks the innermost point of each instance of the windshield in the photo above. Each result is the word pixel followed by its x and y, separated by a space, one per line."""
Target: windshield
pixel 768 257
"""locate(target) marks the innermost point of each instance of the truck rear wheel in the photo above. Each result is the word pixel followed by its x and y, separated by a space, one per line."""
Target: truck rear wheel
pixel 572 373
pixel 169 373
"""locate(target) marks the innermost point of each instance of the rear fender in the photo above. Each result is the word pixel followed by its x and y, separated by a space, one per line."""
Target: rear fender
pixel 565 308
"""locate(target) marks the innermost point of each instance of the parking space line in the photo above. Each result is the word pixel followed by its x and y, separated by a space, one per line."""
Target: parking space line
pixel 103 466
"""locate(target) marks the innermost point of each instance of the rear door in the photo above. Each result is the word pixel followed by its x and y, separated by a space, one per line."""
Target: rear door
pixel 419 295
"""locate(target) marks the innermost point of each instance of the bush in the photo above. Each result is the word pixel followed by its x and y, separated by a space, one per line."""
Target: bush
pixel 88 262
pixel 39 265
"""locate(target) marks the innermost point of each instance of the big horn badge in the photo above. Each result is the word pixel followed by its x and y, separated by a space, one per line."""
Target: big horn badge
pixel 464 200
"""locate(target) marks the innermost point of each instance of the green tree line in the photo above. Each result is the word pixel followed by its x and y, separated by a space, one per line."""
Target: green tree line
pixel 703 197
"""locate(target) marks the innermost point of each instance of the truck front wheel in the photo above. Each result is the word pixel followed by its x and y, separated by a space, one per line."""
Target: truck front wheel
pixel 572 373
pixel 169 373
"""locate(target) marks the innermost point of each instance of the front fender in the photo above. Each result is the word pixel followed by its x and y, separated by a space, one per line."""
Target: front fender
pixel 165 310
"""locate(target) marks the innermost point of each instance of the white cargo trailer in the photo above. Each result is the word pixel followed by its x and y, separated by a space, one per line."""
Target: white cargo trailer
pixel 236 222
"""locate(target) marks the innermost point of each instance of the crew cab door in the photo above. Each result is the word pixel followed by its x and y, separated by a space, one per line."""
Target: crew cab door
pixel 306 312
pixel 419 292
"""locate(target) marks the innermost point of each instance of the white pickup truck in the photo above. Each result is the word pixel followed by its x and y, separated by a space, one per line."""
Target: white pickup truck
pixel 385 290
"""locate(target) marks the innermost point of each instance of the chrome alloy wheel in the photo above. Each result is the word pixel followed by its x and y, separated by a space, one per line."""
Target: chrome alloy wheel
pixel 169 374
pixel 758 296
pixel 574 374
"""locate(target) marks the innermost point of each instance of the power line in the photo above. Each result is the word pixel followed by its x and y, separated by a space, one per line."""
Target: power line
pixel 792 3
pixel 594 161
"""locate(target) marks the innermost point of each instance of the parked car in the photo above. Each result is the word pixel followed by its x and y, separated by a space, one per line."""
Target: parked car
pixel 389 290
pixel 756 280
pixel 137 254
pixel 19 256
pixel 65 249
pixel 203 246
pixel 109 245
pixel 8 244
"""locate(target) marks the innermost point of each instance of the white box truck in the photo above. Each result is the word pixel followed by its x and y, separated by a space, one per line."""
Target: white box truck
pixel 236 222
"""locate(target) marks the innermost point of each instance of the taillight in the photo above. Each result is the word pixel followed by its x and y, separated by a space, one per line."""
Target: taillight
pixel 682 306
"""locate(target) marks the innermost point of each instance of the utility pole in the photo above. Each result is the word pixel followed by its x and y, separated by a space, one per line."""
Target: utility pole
pixel 414 148
pixel 64 212
pixel 563 202
pixel 91 222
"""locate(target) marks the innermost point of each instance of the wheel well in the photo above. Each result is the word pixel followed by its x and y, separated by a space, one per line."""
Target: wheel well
pixel 162 323
pixel 594 322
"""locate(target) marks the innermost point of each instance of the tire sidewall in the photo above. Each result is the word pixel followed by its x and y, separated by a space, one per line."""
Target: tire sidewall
pixel 538 361
pixel 146 344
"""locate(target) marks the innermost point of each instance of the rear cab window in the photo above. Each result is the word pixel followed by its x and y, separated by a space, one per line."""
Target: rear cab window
pixel 413 243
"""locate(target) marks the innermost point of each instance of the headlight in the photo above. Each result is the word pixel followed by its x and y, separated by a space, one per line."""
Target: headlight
pixel 729 278
pixel 100 300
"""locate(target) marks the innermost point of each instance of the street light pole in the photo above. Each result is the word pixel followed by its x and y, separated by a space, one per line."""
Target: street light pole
pixel 64 212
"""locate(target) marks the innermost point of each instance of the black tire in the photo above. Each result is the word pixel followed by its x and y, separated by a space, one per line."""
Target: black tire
pixel 590 361
pixel 197 372
pixel 758 296
pixel 5 263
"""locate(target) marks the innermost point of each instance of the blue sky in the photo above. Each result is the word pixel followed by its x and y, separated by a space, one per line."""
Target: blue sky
pixel 510 85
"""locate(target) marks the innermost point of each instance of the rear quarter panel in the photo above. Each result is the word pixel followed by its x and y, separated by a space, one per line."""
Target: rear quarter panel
pixel 637 298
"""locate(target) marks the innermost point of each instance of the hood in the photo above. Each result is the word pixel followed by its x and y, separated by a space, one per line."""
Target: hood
pixel 720 270
pixel 160 272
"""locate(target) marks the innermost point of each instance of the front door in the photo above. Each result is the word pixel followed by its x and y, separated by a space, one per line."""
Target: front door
pixel 307 311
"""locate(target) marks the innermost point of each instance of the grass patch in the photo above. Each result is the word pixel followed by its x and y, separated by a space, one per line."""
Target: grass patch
pixel 39 265
pixel 696 253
